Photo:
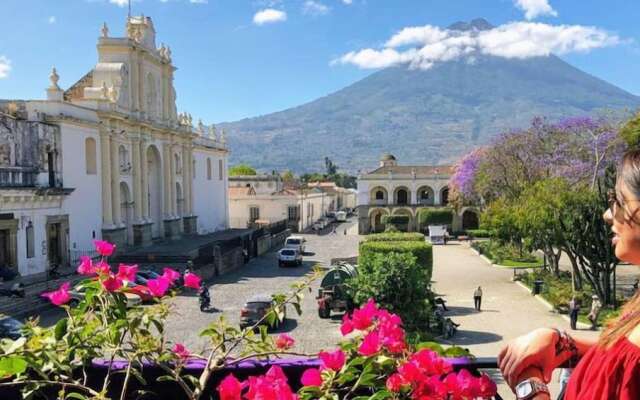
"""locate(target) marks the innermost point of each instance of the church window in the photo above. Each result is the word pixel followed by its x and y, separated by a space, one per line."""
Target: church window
pixel 208 169
pixel 254 213
pixel 90 156
pixel 220 175
pixel 193 169
pixel 379 195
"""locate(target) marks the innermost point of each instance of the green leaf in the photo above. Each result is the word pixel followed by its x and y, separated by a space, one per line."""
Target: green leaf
pixel 10 366
pixel 431 346
pixel 138 376
pixel 456 351
pixel 77 396
pixel 383 394
pixel 195 382
pixel 61 328
pixel 263 332
pixel 166 378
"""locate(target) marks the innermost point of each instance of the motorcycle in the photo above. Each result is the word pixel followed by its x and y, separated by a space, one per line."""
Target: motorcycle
pixel 205 299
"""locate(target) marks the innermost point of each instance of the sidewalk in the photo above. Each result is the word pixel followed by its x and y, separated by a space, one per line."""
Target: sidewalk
pixel 508 311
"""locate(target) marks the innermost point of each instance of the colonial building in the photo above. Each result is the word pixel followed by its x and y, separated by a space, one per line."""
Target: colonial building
pixel 344 198
pixel 263 199
pixel 110 158
pixel 394 189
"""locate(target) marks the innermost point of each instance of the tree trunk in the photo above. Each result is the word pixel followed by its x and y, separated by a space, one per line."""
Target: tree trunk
pixel 576 276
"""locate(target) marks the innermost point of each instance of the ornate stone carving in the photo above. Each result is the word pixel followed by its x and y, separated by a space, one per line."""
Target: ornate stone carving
pixel 105 30
pixel 54 78
pixel 212 132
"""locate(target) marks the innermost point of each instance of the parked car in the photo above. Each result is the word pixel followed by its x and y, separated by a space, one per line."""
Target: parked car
pixel 295 242
pixel 78 293
pixel 140 290
pixel 288 256
pixel 10 328
pixel 341 216
pixel 256 308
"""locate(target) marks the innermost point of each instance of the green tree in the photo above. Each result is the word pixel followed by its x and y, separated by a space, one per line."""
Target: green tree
pixel 630 132
pixel 242 169
pixel 397 282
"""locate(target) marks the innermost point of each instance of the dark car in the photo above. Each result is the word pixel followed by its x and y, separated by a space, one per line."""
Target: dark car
pixel 10 328
pixel 256 308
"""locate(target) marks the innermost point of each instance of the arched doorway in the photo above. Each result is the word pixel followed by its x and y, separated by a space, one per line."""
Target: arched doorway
pixel 409 226
pixel 126 211
pixel 154 183
pixel 375 220
pixel 470 220
pixel 444 196
pixel 378 195
pixel 401 196
pixel 426 196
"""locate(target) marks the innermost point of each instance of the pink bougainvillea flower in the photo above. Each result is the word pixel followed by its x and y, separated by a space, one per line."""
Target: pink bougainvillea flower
pixel 181 351
pixel 127 272
pixel 171 274
pixel 104 248
pixel 333 360
pixel 362 318
pixel 370 344
pixel 192 280
pixel 60 296
pixel 112 283
pixel 102 268
pixel 395 382
pixel 230 388
pixel 158 287
pixel 311 377
pixel 86 266
pixel 347 326
pixel 272 386
pixel 487 388
pixel 284 341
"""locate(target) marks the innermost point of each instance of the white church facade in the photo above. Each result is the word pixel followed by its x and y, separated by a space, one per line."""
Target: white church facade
pixel 108 158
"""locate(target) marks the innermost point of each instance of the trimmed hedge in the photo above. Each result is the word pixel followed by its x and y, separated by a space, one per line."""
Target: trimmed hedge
pixel 479 233
pixel 422 251
pixel 395 237
pixel 435 216
pixel 395 219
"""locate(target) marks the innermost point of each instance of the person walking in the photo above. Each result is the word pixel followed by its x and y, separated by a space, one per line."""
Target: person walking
pixel 477 298
pixel 574 309
pixel 596 306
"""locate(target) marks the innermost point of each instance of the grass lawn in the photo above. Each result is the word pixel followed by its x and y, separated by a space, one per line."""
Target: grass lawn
pixel 522 264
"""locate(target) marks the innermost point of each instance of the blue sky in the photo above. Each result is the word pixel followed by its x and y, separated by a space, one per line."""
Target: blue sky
pixel 240 58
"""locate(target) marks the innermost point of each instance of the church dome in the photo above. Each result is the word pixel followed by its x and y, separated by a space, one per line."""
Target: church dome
pixel 388 157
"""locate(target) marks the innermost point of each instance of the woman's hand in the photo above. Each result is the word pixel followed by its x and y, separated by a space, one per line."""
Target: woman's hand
pixel 536 349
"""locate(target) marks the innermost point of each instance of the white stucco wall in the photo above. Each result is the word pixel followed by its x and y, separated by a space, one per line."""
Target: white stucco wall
pixel 272 208
pixel 210 200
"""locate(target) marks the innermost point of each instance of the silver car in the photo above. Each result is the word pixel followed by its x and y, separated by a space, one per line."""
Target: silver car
pixel 289 256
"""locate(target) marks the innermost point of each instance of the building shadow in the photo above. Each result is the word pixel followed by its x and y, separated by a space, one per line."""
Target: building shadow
pixel 288 325
pixel 457 311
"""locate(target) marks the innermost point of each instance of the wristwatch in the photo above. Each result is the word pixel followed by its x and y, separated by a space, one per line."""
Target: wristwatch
pixel 528 388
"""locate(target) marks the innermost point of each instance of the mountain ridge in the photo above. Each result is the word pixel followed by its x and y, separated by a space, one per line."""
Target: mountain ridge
pixel 422 116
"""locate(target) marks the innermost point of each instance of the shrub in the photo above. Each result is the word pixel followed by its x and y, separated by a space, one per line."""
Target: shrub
pixel 479 233
pixel 435 216
pixel 395 237
pixel 397 282
pixel 422 251
pixel 395 222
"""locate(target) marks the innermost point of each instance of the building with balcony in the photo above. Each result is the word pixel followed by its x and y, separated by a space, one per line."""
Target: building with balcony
pixel 394 189
pixel 108 158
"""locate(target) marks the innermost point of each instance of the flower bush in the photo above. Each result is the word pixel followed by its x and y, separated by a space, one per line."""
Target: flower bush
pixel 374 359
pixel 374 363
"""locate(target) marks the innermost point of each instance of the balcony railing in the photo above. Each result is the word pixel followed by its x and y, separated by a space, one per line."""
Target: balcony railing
pixel 18 177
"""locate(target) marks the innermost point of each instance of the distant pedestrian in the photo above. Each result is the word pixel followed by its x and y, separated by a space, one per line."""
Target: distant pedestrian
pixel 574 309
pixel 345 231
pixel 596 306
pixel 333 230
pixel 477 298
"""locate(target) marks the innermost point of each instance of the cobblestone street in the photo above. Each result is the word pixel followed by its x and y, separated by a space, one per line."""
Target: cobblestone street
pixel 263 276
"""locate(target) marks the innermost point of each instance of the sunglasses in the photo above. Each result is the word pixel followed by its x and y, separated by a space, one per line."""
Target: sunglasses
pixel 618 210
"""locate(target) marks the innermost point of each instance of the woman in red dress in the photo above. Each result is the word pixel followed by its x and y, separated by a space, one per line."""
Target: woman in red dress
pixel 607 368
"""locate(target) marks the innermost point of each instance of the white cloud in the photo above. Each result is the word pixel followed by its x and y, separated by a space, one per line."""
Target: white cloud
pixel 198 1
pixel 311 7
pixel 5 67
pixel 51 19
pixel 269 16
pixel 535 8
pixel 119 3
pixel 422 47
pixel 347 2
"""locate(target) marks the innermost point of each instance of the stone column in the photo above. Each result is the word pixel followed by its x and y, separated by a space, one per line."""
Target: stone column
pixel 174 192
pixel 166 179
pixel 105 169
pixel 115 183
pixel 144 177
pixel 137 181
pixel 186 180
pixel 191 176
